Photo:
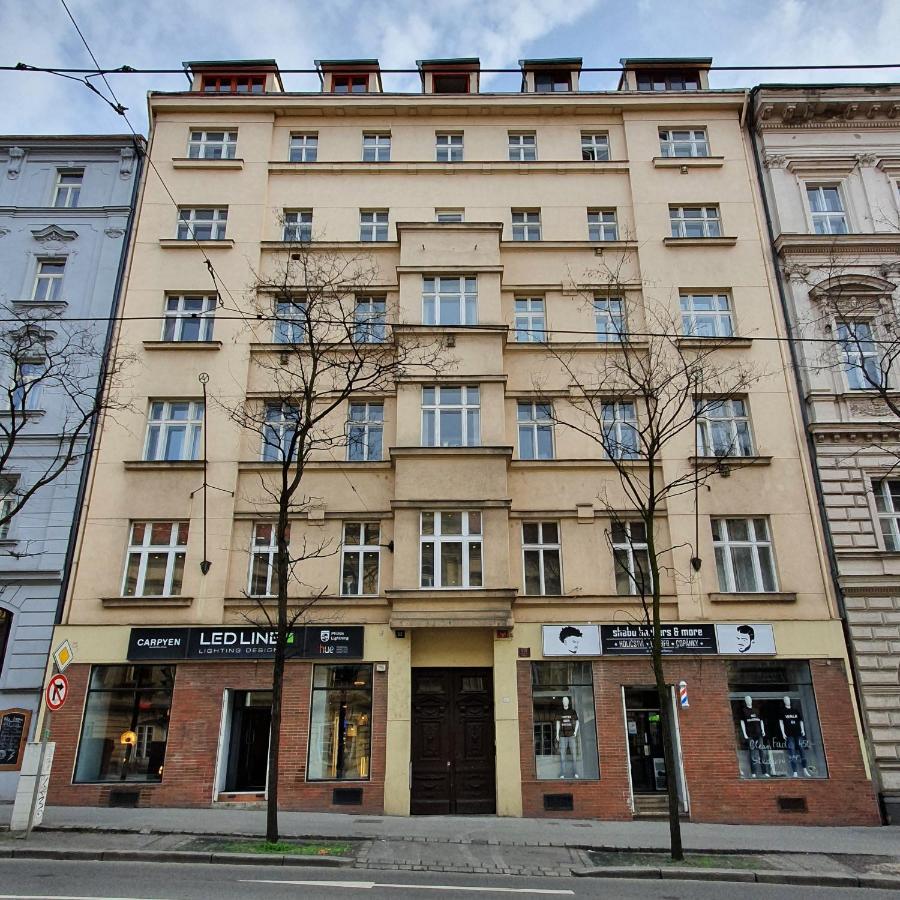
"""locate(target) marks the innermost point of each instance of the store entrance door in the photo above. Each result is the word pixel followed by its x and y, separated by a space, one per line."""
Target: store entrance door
pixel 452 742
pixel 645 746
pixel 248 747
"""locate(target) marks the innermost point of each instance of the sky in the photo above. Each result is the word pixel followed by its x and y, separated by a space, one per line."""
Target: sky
pixel 164 33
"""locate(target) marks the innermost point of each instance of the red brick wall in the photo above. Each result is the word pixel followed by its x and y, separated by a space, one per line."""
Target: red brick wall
pixel 190 764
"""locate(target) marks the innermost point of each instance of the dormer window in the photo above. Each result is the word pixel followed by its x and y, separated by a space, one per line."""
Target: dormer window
pixel 234 76
pixel 450 83
pixel 550 76
pixel 234 84
pixel 552 82
pixel 668 80
pixel 349 84
pixel 449 76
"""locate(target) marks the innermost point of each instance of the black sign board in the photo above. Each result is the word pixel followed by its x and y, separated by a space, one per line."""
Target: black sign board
pixel 311 642
pixel 635 640
pixel 13 734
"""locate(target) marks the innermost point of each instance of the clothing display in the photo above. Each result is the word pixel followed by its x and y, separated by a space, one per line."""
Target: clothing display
pixel 568 720
pixel 752 724
pixel 566 747
pixel 793 723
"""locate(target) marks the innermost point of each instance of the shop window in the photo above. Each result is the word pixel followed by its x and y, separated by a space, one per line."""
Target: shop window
pixel 126 724
pixel 565 727
pixel 340 724
pixel 776 725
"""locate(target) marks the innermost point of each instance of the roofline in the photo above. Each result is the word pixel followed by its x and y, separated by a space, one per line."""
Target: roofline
pixel 629 62
pixel 467 61
pixel 560 62
pixel 825 86
pixel 347 63
pixel 219 63
pixel 70 138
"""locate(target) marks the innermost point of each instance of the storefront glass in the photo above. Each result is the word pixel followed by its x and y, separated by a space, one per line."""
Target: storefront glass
pixel 126 724
pixel 565 727
pixel 776 726
pixel 340 724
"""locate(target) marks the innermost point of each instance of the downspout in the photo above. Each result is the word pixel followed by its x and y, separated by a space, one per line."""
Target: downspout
pixel 101 382
pixel 811 449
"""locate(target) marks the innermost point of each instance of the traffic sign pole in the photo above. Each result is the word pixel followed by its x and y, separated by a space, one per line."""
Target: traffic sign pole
pixel 39 775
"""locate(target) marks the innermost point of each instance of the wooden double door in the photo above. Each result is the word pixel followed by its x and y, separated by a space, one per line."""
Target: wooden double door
pixel 453 765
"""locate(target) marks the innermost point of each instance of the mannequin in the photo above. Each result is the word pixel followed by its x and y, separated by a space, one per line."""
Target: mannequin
pixel 754 730
pixel 567 725
pixel 794 733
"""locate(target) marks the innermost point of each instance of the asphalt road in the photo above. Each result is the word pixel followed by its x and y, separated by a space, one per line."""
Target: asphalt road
pixel 63 880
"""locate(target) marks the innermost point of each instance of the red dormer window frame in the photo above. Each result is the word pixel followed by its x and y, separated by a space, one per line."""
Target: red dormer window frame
pixel 451 73
pixel 348 79
pixel 229 83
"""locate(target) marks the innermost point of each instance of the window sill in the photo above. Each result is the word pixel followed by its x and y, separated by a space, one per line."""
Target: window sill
pixel 158 464
pixel 187 162
pixel 761 597
pixel 597 246
pixel 704 343
pixel 176 244
pixel 688 162
pixel 272 601
pixel 724 463
pixel 618 166
pixel 700 242
pixel 260 465
pixel 56 306
pixel 300 246
pixel 29 414
pixel 431 452
pixel 593 346
pixel 147 602
pixel 182 345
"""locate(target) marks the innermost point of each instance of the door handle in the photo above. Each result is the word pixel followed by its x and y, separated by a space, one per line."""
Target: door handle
pixel 448 763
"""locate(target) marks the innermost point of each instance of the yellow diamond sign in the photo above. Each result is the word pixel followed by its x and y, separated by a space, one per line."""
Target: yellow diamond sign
pixel 63 655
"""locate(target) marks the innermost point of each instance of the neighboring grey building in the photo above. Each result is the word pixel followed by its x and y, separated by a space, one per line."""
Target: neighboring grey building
pixel 829 157
pixel 65 217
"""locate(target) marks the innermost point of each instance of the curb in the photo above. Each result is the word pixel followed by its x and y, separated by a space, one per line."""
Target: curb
pixel 177 856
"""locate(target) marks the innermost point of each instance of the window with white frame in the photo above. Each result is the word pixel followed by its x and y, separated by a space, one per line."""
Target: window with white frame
pixel 27 388
pixel 541 556
pixel 202 223
pixel 449 216
pixel 594 146
pixel 522 147
pixel 706 315
pixel 618 420
pixel 365 431
pixel 602 225
pixel 723 427
pixel 862 361
pixel 279 432
pixel 290 321
pixel 451 415
pixel 526 224
pixel 360 558
pixel 631 559
pixel 48 280
pixel 263 549
pixel 68 188
pixel 887 504
pixel 376 147
pixel 826 209
pixel 154 563
pixel 535 423
pixel 297 225
pixel 373 224
pixel 683 142
pixel 189 317
pixel 744 558
pixel 530 322
pixel 174 428
pixel 695 221
pixel 304 148
pixel 449 301
pixel 369 322
pixel 212 145
pixel 7 503
pixel 450 549
pixel 448 147
pixel 609 319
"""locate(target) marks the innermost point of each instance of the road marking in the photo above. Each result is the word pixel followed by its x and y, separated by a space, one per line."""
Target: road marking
pixel 369 885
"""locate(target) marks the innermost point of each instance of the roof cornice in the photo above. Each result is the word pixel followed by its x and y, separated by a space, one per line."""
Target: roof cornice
pixel 837 108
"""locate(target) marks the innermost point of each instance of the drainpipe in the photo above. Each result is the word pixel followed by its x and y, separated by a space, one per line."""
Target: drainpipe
pixel 811 448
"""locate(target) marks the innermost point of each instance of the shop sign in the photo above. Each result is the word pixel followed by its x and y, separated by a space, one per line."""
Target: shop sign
pixel 746 640
pixel 312 642
pixel 625 640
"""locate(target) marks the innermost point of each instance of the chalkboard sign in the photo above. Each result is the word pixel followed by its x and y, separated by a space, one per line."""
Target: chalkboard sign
pixel 14 724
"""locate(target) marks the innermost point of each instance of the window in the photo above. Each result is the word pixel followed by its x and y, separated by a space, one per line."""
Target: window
pixel 7 504
pixel 205 224
pixel 552 82
pixel 340 724
pixel 189 317
pixel 671 80
pixel 776 724
pixel 230 84
pixel 262 559
pixel 373 224
pixel 48 280
pixel 6 624
pixel 541 555
pixel 450 551
pixel 450 83
pixel 826 209
pixel 350 84
pixel 522 147
pixel 743 556
pixel 609 319
pixel 449 301
pixel 862 362
pixel 28 385
pixel 564 719
pixel 361 553
pixel 173 430
pixel 369 325
pixel 451 416
pixel 212 145
pixel 689 142
pixel 448 147
pixel 619 423
pixel 526 224
pixel 68 188
pixel 297 225
pixel 602 225
pixel 290 322
pixel 695 221
pixel 530 322
pixel 155 562
pixel 125 700
pixel 449 215
pixel 365 431
pixel 304 148
pixel 279 432
pixel 887 504
pixel 594 146
pixel 376 148
pixel 723 428
pixel 535 430
pixel 706 315
pixel 631 559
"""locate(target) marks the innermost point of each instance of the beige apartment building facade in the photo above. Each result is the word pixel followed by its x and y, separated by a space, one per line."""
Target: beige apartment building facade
pixel 473 650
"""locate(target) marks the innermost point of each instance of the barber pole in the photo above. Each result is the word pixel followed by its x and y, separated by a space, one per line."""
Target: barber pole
pixel 682 694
